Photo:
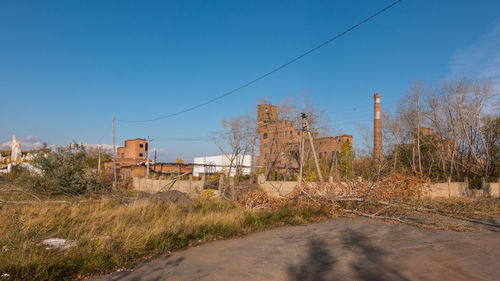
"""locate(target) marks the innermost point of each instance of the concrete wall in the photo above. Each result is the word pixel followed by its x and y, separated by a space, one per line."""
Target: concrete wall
pixel 460 189
pixel 432 190
pixel 191 187
pixel 282 188
pixel 493 188
pixel 446 190
pixel 278 188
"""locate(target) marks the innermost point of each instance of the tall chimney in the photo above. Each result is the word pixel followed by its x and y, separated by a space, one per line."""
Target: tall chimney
pixel 377 130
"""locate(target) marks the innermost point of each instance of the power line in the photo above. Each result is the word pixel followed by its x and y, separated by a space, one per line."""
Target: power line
pixel 105 133
pixel 268 73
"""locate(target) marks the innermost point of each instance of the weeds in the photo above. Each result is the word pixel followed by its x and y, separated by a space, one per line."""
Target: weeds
pixel 114 235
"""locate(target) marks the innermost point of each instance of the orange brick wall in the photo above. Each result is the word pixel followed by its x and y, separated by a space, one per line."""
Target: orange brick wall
pixel 278 136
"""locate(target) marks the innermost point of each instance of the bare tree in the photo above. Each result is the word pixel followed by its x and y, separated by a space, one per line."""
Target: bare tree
pixel 236 140
pixel 393 133
pixel 443 128
pixel 410 111
pixel 465 100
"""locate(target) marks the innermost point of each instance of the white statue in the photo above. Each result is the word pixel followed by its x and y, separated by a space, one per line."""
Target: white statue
pixel 15 155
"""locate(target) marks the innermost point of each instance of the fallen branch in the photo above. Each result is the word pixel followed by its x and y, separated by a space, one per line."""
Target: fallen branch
pixel 25 192
pixel 169 185
pixel 372 215
pixel 409 207
pixel 310 197
pixel 61 201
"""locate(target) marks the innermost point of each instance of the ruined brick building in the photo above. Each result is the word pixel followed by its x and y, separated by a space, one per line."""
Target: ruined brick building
pixel 129 158
pixel 280 141
pixel 131 161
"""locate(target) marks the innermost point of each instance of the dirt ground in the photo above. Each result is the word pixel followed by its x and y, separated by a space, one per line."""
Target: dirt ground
pixel 338 249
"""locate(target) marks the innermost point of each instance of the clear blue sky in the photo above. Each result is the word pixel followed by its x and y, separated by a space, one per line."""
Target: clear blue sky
pixel 67 66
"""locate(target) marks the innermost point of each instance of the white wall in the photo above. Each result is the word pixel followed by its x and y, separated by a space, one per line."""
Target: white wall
pixel 220 164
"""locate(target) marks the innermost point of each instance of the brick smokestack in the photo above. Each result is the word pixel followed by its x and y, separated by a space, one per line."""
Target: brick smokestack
pixel 377 130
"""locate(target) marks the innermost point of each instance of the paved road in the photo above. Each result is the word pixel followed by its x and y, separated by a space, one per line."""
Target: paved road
pixel 340 249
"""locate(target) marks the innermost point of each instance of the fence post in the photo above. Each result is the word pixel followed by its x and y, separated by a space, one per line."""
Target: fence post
pixel 429 190
pixel 485 187
pixel 449 189
pixel 467 187
pixel 261 179
pixel 221 182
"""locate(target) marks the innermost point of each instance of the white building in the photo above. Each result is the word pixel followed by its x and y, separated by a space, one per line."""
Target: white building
pixel 221 163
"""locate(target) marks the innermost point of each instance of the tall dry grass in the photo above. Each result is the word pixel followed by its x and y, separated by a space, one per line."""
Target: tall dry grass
pixel 112 235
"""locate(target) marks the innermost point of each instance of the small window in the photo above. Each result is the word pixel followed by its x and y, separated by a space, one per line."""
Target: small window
pixel 264 136
pixel 140 154
pixel 320 155
pixel 141 145
pixel 265 145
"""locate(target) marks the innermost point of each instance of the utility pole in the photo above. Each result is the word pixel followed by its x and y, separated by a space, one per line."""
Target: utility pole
pixel 179 166
pixel 147 160
pixel 114 151
pixel 99 160
pixel 305 128
pixel 377 131
pixel 154 165
pixel 301 149
pixel 314 151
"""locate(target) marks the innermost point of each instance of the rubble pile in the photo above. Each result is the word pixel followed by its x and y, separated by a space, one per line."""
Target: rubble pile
pixel 259 199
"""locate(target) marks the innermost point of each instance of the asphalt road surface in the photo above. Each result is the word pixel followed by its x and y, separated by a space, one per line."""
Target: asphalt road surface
pixel 339 249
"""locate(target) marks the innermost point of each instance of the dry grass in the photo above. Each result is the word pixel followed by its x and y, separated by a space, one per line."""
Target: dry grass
pixel 113 235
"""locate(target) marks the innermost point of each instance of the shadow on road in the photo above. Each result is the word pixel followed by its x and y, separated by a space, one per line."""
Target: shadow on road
pixel 316 266
pixel 370 262
pixel 365 261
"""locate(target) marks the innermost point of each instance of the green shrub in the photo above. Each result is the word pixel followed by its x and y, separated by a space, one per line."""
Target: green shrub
pixel 63 171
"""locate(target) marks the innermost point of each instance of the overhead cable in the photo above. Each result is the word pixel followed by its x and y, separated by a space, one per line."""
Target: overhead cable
pixel 267 73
